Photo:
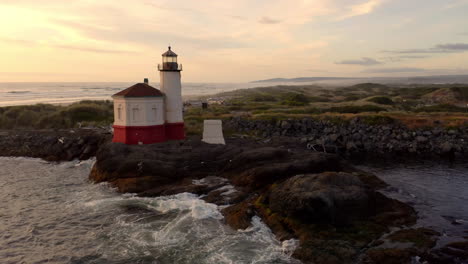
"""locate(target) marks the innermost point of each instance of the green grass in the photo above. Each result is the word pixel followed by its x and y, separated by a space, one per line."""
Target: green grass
pixel 42 116
pixel 414 92
pixel 381 100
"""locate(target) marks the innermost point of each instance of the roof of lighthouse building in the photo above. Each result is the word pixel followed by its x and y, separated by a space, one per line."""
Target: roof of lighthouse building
pixel 139 90
pixel 169 53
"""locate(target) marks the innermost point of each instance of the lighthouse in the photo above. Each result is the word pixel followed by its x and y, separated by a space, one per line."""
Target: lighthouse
pixel 146 115
pixel 172 89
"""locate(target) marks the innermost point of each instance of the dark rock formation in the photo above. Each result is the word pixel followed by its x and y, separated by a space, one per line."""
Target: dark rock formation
pixel 336 198
pixel 334 210
pixel 52 145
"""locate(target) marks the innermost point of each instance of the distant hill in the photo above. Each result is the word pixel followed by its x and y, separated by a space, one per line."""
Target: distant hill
pixel 304 79
pixel 435 79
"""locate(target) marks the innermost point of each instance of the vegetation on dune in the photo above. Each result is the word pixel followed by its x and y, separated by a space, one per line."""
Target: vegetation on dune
pixel 354 109
pixel 441 108
pixel 41 116
pixel 461 93
pixel 413 92
pixel 295 99
pixel 273 103
pixel 384 100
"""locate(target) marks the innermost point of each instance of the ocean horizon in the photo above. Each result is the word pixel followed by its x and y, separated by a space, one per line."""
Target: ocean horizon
pixel 27 93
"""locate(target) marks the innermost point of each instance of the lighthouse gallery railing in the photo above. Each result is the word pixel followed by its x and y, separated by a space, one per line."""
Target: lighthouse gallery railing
pixel 170 67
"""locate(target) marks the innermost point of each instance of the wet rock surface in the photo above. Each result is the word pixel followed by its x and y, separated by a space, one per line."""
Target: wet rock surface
pixel 336 198
pixel 334 210
pixel 53 145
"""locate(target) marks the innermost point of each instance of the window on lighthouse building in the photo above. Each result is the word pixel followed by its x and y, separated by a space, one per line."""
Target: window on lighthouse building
pixel 119 112
pixel 154 113
pixel 136 114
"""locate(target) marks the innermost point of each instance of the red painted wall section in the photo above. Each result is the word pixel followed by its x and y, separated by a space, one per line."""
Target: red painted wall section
pixel 175 131
pixel 133 135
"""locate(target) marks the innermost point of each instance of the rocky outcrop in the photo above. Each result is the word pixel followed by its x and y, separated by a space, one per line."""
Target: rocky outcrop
pixel 360 137
pixel 335 211
pixel 336 198
pixel 52 145
pixel 335 215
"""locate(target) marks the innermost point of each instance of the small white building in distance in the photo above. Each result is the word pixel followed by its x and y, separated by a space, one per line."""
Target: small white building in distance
pixel 146 115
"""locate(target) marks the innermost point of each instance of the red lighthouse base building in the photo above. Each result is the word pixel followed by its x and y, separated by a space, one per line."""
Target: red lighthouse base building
pixel 175 131
pixel 146 115
pixel 148 134
pixel 139 117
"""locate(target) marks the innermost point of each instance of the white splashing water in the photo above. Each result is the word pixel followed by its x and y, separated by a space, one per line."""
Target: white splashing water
pixel 51 213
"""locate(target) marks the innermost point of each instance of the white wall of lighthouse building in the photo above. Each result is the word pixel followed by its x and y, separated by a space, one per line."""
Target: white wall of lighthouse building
pixel 143 111
pixel 171 87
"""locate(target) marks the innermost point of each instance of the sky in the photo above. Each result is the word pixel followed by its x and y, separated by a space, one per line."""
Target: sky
pixel 230 40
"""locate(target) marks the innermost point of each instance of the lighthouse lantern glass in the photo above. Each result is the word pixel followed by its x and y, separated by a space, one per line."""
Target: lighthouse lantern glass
pixel 169 59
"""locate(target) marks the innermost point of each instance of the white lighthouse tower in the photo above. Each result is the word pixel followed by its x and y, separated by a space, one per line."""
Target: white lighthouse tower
pixel 172 89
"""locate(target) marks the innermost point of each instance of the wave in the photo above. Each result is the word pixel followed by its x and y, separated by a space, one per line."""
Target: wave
pixel 18 92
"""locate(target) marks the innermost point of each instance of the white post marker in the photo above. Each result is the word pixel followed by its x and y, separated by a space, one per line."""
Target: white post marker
pixel 213 132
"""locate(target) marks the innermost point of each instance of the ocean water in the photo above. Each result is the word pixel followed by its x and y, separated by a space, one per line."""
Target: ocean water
pixel 51 213
pixel 61 93
pixel 438 192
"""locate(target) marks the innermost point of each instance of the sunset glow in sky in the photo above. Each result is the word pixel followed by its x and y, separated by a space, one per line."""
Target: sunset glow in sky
pixel 231 40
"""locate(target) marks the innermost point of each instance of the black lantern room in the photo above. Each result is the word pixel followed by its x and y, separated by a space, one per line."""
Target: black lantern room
pixel 169 59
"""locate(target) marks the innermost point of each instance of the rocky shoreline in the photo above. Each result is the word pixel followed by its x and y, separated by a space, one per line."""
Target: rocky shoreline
pixel 335 211
pixel 358 139
pixel 53 145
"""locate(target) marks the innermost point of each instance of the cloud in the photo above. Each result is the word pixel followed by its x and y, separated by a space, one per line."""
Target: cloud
pixel 454 47
pixel 237 17
pixel 361 9
pixel 441 48
pixel 268 20
pixel 69 47
pixel 18 41
pixel 364 62
pixel 394 70
pixel 95 50
pixel 455 4
pixel 413 56
pixel 404 57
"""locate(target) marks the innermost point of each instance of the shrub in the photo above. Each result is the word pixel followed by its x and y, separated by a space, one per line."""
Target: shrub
pixel 353 109
pixel 54 120
pixel 13 112
pixel 415 92
pixel 381 100
pixel 27 118
pixel 55 116
pixel 318 99
pixel 295 99
pixel 461 92
pixel 352 97
pixel 6 123
pixel 263 98
pixel 441 108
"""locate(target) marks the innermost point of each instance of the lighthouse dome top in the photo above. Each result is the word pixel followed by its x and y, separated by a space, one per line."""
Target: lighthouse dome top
pixel 169 53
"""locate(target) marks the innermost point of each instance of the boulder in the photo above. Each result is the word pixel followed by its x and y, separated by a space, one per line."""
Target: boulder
pixel 329 197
